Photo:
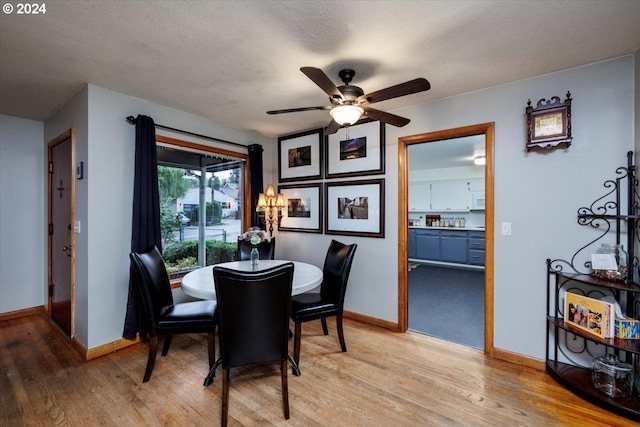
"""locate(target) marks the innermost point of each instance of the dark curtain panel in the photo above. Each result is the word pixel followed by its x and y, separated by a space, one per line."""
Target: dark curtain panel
pixel 255 163
pixel 145 227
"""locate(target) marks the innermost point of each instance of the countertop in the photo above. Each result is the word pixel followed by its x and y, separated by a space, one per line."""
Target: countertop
pixel 448 228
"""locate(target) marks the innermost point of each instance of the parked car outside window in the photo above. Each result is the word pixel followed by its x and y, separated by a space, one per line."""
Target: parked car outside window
pixel 183 219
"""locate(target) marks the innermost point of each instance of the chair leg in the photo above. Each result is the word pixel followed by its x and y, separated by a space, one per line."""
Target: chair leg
pixel 211 349
pixel 167 344
pixel 225 397
pixel 296 343
pixel 285 389
pixel 340 332
pixel 151 360
pixel 324 325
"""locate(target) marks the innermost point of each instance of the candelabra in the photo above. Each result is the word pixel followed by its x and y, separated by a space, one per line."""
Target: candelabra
pixel 270 207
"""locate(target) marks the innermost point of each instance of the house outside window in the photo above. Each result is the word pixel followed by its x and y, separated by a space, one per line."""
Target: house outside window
pixel 201 191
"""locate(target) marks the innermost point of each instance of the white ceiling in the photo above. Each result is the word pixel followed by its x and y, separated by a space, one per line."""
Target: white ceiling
pixel 231 61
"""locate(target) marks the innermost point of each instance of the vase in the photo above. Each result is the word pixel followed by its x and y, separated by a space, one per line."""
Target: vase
pixel 255 257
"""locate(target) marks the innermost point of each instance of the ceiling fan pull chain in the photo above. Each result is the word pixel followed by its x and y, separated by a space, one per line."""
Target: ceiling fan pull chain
pixel 348 137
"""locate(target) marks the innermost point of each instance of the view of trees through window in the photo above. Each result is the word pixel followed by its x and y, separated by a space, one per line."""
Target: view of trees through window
pixel 200 209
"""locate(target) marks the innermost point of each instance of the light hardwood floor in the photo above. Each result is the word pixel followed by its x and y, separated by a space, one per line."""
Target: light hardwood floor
pixel 385 379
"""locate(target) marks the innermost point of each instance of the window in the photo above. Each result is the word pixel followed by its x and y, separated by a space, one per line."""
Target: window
pixel 201 201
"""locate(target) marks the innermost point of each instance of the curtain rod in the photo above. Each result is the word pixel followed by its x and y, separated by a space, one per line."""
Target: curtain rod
pixel 132 121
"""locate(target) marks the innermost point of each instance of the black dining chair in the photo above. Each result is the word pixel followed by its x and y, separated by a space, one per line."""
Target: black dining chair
pixel 267 250
pixel 254 309
pixel 330 301
pixel 162 316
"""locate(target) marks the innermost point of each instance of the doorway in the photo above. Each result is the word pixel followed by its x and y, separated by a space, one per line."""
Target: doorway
pixel 61 237
pixel 487 130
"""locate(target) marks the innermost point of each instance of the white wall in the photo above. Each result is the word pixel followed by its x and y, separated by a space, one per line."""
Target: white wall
pixel 538 192
pixel 22 214
pixel 103 268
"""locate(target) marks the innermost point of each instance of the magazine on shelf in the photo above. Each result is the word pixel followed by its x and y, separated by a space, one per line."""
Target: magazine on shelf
pixel 594 316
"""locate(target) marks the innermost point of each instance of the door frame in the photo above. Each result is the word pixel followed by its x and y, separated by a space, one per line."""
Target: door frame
pixel 488 130
pixel 68 134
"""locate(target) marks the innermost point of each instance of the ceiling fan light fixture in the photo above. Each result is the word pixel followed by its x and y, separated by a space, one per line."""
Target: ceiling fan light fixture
pixel 346 114
pixel 480 160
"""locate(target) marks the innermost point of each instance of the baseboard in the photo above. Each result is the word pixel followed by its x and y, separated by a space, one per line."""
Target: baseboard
pixel 371 320
pixel 21 313
pixel 104 349
pixel 519 359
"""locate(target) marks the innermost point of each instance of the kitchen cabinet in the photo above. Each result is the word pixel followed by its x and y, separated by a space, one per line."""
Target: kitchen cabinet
pixel 450 196
pixel 570 350
pixel 428 244
pixel 412 243
pixel 453 246
pixel 419 196
pixel 475 248
pixel 476 185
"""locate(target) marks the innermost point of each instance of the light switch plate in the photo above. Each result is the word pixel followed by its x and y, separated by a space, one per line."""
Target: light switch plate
pixel 506 229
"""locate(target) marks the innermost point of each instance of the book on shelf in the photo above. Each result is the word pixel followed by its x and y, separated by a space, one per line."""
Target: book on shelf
pixel 591 315
pixel 627 328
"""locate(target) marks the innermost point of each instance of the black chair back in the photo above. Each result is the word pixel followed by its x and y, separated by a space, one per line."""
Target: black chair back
pixel 153 284
pixel 254 309
pixel 335 273
pixel 267 250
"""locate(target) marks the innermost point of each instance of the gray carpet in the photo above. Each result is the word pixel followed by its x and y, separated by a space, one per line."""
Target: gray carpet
pixel 447 303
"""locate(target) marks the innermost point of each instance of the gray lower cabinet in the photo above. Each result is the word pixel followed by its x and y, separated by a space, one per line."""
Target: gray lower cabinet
pixel 453 246
pixel 428 244
pixel 476 247
pixel 457 246
pixel 412 243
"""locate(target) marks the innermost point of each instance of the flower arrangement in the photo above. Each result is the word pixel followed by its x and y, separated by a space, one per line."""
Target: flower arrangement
pixel 255 235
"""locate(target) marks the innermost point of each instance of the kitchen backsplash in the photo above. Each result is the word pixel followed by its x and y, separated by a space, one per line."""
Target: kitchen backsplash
pixel 471 219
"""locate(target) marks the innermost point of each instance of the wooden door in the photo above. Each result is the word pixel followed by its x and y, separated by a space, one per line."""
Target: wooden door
pixel 61 231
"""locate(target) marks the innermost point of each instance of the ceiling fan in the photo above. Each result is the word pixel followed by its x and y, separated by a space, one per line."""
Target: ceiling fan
pixel 349 103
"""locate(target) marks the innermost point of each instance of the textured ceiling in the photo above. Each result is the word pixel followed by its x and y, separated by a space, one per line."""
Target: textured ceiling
pixel 231 61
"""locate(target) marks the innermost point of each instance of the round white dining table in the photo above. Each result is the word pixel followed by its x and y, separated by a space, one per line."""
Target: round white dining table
pixel 199 283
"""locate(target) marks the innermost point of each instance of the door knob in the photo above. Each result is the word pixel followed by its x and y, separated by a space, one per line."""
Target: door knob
pixel 67 249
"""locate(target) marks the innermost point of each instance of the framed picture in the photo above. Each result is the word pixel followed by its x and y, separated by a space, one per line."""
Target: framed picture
pixel 303 208
pixel 300 156
pixel 355 208
pixel 361 153
pixel 549 123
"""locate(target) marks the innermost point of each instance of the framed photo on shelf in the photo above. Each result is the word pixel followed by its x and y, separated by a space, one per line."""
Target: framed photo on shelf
pixel 362 153
pixel 549 123
pixel 300 156
pixel 355 208
pixel 303 208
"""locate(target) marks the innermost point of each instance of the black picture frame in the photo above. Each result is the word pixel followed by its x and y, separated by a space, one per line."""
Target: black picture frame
pixel 300 156
pixel 367 144
pixel 355 208
pixel 309 219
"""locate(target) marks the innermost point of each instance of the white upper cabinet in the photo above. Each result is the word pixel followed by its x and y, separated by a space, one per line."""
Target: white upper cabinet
pixel 419 197
pixel 450 196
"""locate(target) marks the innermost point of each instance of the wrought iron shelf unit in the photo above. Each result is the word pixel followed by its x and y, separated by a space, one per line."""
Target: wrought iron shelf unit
pixel 570 350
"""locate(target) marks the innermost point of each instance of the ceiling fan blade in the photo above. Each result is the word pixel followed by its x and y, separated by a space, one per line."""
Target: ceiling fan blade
pixel 320 78
pixel 332 128
pixel 402 89
pixel 385 117
pixel 295 110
